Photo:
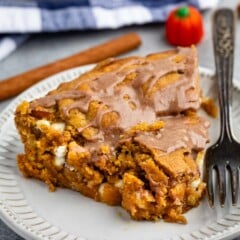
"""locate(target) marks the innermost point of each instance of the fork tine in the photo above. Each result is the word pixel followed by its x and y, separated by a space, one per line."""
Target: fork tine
pixel 221 174
pixel 234 175
pixel 210 186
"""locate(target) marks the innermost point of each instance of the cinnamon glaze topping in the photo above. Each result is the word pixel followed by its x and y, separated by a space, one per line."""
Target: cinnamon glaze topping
pixel 139 90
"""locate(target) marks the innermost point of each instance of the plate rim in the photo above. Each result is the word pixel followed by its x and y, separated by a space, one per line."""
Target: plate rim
pixel 19 227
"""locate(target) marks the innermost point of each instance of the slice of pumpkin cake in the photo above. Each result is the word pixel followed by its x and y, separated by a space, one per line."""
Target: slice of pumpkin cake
pixel 122 134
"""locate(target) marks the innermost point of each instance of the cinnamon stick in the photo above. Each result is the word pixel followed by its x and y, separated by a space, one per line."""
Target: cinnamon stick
pixel 14 85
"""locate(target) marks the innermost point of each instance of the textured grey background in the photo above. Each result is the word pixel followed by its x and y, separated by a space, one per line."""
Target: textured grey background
pixel 43 48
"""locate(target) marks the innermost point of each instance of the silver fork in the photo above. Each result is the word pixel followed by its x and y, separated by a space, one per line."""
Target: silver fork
pixel 224 155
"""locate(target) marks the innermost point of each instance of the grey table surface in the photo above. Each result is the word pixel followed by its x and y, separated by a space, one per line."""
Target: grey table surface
pixel 43 48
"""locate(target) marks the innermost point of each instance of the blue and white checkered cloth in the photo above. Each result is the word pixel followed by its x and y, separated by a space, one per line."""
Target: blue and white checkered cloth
pixel 20 18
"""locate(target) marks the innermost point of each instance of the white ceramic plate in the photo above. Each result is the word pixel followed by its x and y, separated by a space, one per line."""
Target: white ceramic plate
pixel 32 211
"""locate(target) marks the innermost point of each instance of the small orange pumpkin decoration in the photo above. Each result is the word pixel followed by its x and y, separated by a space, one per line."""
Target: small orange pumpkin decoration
pixel 184 26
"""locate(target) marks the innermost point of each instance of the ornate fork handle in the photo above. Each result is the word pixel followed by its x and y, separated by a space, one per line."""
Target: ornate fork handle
pixel 223 39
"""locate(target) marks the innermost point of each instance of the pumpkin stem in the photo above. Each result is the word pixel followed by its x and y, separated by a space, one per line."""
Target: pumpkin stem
pixel 182 12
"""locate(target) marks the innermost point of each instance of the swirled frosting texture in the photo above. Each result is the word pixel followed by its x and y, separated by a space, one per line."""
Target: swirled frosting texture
pixel 136 90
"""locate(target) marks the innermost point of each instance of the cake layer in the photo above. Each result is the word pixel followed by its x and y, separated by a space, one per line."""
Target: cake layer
pixel 150 169
pixel 106 135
